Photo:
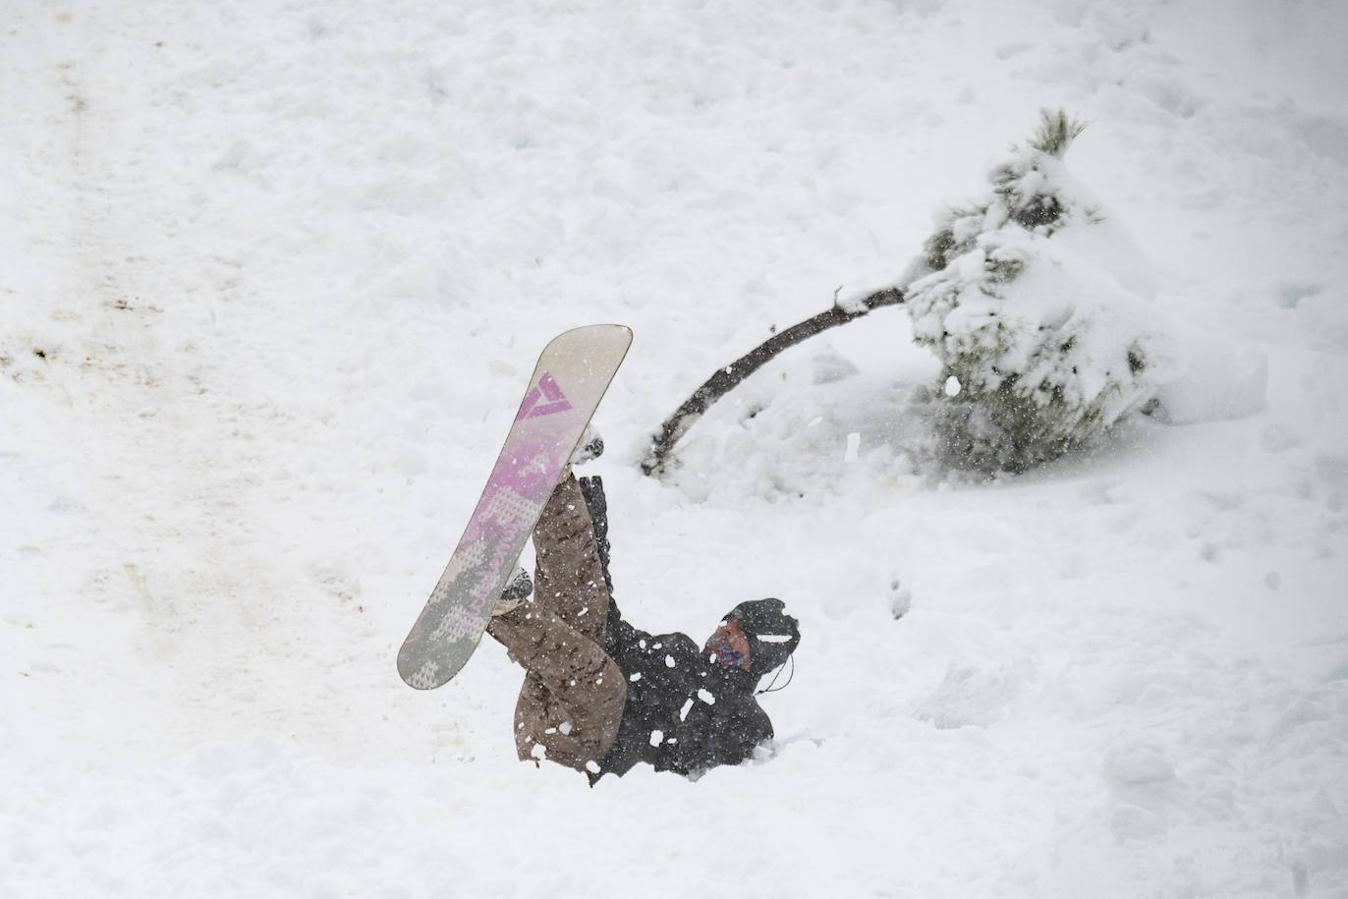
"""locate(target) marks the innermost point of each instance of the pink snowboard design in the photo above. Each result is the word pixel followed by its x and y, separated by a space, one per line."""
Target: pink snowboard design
pixel 569 380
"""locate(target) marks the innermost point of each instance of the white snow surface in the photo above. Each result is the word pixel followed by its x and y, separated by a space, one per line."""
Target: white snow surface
pixel 272 276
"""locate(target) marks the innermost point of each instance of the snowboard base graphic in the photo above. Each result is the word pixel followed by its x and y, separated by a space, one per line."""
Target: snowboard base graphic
pixel 572 374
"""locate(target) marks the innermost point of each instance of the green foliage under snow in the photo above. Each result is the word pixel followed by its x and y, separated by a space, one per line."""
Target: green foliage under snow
pixel 1016 296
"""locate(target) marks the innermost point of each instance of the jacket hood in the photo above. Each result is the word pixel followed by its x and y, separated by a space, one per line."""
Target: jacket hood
pixel 773 634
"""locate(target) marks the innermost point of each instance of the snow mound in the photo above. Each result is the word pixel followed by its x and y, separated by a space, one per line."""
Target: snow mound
pixel 1211 380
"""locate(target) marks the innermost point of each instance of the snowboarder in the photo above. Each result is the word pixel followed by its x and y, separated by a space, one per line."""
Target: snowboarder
pixel 600 695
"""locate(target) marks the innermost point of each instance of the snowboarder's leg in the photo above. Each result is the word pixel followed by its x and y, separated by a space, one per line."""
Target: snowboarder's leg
pixel 592 488
pixel 569 578
pixel 572 700
pixel 571 703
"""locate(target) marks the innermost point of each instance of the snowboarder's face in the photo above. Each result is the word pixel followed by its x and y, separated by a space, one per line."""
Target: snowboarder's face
pixel 729 645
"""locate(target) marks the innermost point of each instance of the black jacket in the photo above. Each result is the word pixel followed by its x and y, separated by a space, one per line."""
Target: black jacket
pixel 685 712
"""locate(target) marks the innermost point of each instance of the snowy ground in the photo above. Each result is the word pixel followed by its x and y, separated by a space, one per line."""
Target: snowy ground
pixel 272 276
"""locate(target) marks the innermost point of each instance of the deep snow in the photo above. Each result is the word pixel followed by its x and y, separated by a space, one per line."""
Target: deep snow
pixel 272 276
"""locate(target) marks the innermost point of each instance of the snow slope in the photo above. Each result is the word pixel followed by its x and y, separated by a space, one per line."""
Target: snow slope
pixel 272 276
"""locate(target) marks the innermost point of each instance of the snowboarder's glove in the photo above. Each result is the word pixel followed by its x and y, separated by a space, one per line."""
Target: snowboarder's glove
pixel 518 590
pixel 591 447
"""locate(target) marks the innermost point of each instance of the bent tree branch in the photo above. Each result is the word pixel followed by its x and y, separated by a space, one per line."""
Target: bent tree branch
pixel 727 378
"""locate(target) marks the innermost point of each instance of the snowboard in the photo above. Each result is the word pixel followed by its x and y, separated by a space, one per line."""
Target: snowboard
pixel 572 374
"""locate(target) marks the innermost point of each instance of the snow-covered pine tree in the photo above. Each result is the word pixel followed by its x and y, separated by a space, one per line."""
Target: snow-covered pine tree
pixel 1021 297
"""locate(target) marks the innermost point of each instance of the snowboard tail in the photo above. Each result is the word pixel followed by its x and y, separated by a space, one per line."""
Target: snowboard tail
pixel 571 377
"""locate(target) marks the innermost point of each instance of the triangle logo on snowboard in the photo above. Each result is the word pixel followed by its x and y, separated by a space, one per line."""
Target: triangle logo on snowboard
pixel 548 389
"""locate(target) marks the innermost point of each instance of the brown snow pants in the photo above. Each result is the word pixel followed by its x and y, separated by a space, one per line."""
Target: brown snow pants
pixel 572 699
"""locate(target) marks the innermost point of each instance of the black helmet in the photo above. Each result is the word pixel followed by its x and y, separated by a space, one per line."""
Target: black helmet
pixel 773 634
